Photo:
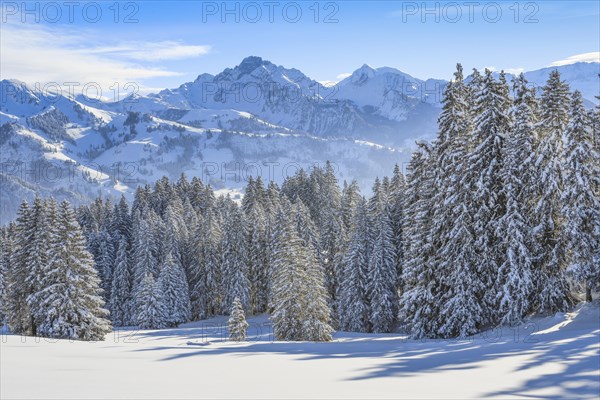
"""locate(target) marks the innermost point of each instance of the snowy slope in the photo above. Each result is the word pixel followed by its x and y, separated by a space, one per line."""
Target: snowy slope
pixel 555 357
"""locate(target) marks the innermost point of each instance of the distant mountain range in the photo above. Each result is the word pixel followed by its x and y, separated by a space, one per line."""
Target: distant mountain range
pixel 255 118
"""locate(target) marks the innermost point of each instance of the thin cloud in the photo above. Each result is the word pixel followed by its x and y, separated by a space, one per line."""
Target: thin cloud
pixel 159 51
pixel 38 54
pixel 585 57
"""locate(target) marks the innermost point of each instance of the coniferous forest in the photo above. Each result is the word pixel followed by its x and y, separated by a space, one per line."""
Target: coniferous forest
pixel 496 220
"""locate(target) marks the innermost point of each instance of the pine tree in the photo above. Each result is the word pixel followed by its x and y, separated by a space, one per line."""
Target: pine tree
pixel 234 265
pixel 396 198
pixel 420 301
pixel 70 298
pixel 6 246
pixel 350 199
pixel 515 279
pixel 150 308
pixel 175 292
pixel 105 262
pixel 299 296
pixel 255 207
pixel 382 290
pixel 121 299
pixel 581 204
pixel 483 177
pixel 36 254
pixel 28 263
pixel 354 299
pixel 453 264
pixel 17 309
pixel 551 293
pixel 207 292
pixel 145 249
pixel 237 324
pixel 288 281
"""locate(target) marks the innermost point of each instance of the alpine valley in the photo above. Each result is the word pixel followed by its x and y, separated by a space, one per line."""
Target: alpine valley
pixel 255 119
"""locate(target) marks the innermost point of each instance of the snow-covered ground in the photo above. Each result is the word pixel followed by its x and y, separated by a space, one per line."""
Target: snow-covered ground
pixel 557 357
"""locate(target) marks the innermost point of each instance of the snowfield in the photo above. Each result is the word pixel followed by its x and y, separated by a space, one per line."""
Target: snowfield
pixel 555 357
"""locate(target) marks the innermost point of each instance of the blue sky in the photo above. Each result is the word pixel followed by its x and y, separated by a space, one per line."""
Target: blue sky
pixel 173 42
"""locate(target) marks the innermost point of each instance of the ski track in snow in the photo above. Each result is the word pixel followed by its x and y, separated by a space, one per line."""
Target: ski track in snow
pixel 554 357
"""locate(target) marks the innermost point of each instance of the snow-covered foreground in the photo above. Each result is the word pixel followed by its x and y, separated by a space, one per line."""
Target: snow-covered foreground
pixel 556 357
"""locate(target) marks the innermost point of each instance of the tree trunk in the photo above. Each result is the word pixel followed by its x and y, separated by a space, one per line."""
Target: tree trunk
pixel 33 327
pixel 588 293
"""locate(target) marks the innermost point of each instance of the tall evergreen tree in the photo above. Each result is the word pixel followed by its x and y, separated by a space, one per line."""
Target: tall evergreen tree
pixel 121 299
pixel 551 291
pixel 70 298
pixel 299 296
pixel 150 308
pixel 17 309
pixel 6 247
pixel 354 299
pixel 207 292
pixel 483 177
pixel 234 263
pixel 581 203
pixel 515 280
pixel 422 289
pixel 145 249
pixel 175 292
pixel 36 254
pixel 382 290
pixel 396 199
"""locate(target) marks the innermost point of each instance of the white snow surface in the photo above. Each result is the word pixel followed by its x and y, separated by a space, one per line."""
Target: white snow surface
pixel 553 357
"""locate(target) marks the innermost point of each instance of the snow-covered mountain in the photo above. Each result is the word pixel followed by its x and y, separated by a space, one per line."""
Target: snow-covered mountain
pixel 255 118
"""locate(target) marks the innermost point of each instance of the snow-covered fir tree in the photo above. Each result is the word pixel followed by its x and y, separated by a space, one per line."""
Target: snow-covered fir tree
pixel 396 200
pixel 105 262
pixel 207 292
pixel 451 233
pixel 354 299
pixel 150 308
pixel 421 283
pixel 382 290
pixel 120 304
pixel 350 199
pixel 6 246
pixel 581 202
pixel 17 310
pixel 175 292
pixel 69 301
pixel 255 209
pixel 37 252
pixel 299 297
pixel 519 175
pixel 552 290
pixel 237 325
pixel 483 176
pixel 145 248
pixel 234 265
pixel 330 226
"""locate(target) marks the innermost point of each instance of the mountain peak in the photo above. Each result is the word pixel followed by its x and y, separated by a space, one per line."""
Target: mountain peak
pixel 366 68
pixel 362 74
pixel 251 63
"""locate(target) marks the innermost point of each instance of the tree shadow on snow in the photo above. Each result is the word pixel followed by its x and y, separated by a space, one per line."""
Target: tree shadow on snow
pixel 577 355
